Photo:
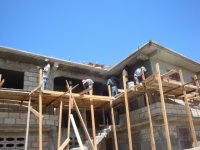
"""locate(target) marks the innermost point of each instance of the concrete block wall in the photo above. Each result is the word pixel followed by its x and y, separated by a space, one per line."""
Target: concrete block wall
pixel 14 124
pixel 15 140
pixel 30 72
pixel 141 114
pixel 142 140
pixel 122 140
pixel 19 119
pixel 31 79
pixel 187 74
pixel 47 143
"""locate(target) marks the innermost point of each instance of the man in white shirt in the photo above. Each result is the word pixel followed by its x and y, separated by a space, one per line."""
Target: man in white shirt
pixel 46 71
pixel 88 83
pixel 138 74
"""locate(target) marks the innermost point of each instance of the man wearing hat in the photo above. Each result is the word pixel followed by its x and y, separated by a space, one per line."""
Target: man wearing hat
pixel 46 71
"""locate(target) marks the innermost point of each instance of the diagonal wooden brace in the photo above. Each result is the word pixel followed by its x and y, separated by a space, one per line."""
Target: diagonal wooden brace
pixel 65 143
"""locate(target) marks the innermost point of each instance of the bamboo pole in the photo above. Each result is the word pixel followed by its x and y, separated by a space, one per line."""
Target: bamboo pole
pixel 93 120
pixel 60 122
pixel 163 107
pixel 153 145
pixel 40 111
pixel 28 124
pixel 127 110
pixel 113 120
pixel 188 111
pixel 76 132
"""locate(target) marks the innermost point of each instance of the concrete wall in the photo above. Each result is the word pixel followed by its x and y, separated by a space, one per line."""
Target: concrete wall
pixel 30 72
pixel 13 125
pixel 177 118
pixel 164 66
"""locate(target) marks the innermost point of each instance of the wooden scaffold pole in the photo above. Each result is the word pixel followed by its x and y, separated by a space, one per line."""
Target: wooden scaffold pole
pixel 76 132
pixel 40 111
pixel 153 145
pixel 27 124
pixel 84 114
pixel 82 122
pixel 158 76
pixel 93 119
pixel 188 111
pixel 69 111
pixel 60 122
pixel 66 142
pixel 113 120
pixel 124 74
pixel 196 81
pixel 1 81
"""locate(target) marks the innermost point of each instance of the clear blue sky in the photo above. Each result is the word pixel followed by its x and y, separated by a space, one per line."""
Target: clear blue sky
pixel 103 31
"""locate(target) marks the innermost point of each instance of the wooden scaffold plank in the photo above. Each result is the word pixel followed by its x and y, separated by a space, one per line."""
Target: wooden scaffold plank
pixel 153 145
pixel 164 113
pixel 188 111
pixel 124 74
pixel 113 120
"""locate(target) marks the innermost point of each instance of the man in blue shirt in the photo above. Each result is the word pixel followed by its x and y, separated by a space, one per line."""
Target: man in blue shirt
pixel 138 74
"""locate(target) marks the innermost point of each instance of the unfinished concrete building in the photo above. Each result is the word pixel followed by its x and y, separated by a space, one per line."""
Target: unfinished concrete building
pixel 161 113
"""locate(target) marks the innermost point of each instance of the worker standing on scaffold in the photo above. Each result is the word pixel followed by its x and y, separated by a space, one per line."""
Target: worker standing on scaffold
pixel 138 74
pixel 45 74
pixel 112 81
pixel 88 83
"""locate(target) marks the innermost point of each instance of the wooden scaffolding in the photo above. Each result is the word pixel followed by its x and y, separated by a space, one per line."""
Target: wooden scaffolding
pixel 156 82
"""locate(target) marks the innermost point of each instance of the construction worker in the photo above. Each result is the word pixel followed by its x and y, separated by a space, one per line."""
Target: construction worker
pixel 138 74
pixel 46 71
pixel 112 81
pixel 88 83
